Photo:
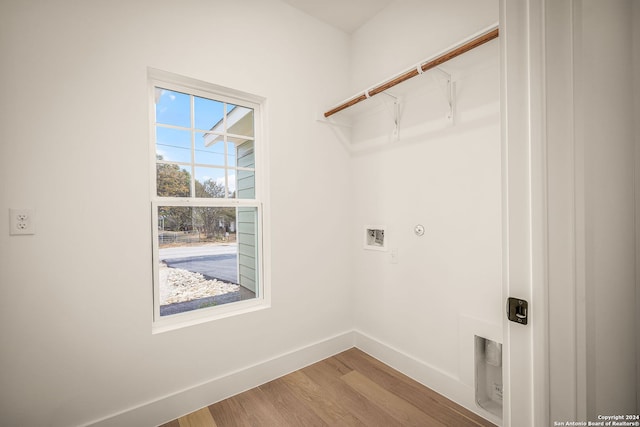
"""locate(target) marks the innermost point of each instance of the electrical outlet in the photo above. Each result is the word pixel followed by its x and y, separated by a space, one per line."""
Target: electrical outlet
pixel 21 221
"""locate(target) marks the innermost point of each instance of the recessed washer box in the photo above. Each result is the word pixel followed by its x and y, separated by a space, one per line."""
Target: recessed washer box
pixel 488 376
pixel 375 237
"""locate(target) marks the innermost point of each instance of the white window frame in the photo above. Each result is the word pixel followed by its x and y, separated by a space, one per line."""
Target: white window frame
pixel 170 81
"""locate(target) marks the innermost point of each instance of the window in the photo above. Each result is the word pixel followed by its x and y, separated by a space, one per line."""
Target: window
pixel 206 200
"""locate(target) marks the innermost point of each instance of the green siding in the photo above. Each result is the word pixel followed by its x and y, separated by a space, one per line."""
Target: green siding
pixel 247 218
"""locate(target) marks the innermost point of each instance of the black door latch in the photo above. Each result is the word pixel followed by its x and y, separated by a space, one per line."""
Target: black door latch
pixel 517 310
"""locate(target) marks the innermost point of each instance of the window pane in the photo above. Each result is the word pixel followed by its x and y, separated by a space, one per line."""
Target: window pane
pixel 210 182
pixel 240 120
pixel 173 108
pixel 173 144
pixel 209 149
pixel 208 114
pixel 173 180
pixel 202 262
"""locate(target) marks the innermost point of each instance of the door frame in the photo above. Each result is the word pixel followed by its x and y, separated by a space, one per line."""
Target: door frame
pixel 525 347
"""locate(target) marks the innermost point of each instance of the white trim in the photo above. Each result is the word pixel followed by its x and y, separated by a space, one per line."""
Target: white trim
pixel 525 367
pixel 539 214
pixel 582 321
pixel 561 207
pixel 442 382
pixel 213 201
pixel 192 87
pixel 201 88
pixel 202 315
pixel 187 400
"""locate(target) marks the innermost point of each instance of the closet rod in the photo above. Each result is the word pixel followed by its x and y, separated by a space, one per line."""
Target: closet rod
pixel 458 50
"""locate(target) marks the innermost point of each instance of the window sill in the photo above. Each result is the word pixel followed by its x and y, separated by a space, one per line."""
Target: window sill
pixel 183 320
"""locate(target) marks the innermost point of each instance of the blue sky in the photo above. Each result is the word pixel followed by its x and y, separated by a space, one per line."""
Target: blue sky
pixel 173 108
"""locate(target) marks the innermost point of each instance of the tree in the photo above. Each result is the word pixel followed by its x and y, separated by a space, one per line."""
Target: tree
pixel 172 181
pixel 213 221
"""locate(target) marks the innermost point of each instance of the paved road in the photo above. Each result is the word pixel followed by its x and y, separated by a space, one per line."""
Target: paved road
pixel 190 251
pixel 214 262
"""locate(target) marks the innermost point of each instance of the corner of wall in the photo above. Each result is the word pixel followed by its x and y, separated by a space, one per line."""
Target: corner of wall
pixel 185 401
pixel 428 375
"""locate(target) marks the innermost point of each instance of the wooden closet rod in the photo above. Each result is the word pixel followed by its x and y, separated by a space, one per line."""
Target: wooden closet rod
pixel 464 47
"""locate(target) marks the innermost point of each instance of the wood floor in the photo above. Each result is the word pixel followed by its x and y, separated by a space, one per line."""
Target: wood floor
pixel 348 389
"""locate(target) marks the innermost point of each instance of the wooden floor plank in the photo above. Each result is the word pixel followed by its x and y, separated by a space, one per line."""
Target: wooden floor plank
pixel 201 418
pixel 326 375
pixel 438 406
pixel 174 423
pixel 290 405
pixel 229 413
pixel 335 367
pixel 260 410
pixel 319 401
pixel 348 389
pixel 398 408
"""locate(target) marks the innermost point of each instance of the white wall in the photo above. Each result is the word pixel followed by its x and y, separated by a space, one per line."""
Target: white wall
pixel 447 284
pixel 605 116
pixel 408 31
pixel 593 234
pixel 561 221
pixel 75 299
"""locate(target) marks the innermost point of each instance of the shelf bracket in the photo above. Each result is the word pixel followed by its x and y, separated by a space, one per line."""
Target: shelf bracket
pixel 464 46
pixel 395 133
pixel 450 93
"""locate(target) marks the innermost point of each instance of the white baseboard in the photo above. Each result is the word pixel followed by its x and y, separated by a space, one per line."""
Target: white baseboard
pixel 440 381
pixel 185 401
